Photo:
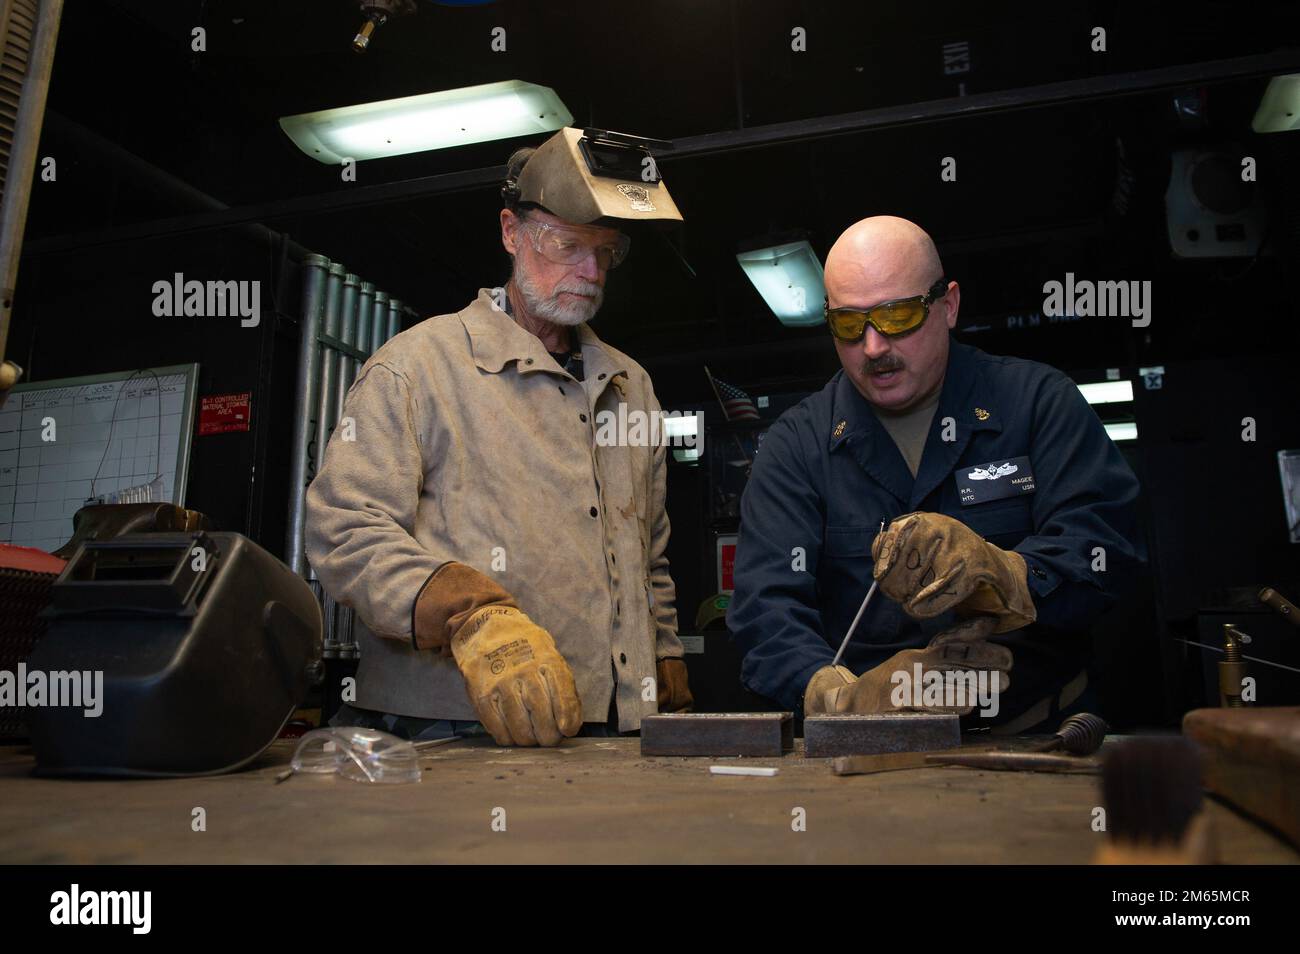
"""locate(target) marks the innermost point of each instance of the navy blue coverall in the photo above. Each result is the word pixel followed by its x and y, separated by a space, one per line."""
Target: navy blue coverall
pixel 828 473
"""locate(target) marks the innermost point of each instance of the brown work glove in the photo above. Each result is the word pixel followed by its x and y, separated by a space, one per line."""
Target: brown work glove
pixel 964 647
pixel 931 563
pixel 671 684
pixel 519 684
pixel 824 680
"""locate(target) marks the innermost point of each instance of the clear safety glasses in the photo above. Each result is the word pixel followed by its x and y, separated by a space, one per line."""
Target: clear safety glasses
pixel 569 246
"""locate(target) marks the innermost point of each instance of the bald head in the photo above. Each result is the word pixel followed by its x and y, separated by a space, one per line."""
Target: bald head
pixel 885 258
pixel 878 259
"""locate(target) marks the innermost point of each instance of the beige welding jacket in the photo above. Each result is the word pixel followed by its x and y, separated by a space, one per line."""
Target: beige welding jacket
pixel 467 442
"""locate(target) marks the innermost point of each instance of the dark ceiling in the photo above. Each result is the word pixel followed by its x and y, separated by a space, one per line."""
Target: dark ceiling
pixel 1036 193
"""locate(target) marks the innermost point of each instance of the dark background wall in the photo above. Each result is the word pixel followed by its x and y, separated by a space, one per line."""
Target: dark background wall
pixel 154 140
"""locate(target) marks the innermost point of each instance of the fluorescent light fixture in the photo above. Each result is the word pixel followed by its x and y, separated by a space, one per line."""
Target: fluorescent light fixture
pixel 1107 392
pixel 688 425
pixel 1279 107
pixel 1123 431
pixel 789 278
pixel 454 117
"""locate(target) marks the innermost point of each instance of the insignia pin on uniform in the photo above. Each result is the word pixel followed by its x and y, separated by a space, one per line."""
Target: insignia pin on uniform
pixel 839 429
pixel 981 414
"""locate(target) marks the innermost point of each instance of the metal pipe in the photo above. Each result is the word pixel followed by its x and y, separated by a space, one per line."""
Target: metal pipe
pixel 336 615
pixel 325 358
pixel 355 296
pixel 313 303
pixel 379 321
pixel 340 317
pixel 335 289
pixel 322 400
pixel 395 310
pixel 349 648
pixel 365 315
pixel 365 318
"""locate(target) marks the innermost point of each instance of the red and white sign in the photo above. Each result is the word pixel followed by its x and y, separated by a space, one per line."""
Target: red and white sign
pixel 726 547
pixel 219 413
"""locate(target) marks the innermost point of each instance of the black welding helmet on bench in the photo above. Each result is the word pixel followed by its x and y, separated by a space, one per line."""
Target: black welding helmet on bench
pixel 206 644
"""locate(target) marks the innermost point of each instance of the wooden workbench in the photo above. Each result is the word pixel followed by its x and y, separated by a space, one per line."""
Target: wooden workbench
pixel 591 800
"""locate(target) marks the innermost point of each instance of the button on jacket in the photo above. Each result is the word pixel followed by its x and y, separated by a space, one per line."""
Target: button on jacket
pixel 828 473
pixel 469 443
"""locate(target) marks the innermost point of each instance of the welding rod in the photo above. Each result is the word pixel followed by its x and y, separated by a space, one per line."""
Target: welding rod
pixel 742 770
pixel 861 609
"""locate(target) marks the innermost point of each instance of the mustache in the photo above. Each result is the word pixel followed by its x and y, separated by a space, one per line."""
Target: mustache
pixel 589 289
pixel 886 362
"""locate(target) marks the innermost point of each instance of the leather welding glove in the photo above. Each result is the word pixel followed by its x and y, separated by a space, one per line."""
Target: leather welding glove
pixel 931 563
pixel 962 648
pixel 517 681
pixel 824 680
pixel 671 683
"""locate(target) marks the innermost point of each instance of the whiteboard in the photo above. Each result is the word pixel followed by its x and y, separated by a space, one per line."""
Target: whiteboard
pixel 43 482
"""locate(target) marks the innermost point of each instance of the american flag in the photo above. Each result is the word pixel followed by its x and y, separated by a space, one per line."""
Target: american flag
pixel 736 404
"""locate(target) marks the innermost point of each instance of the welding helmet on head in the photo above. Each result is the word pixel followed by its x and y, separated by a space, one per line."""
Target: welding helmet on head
pixel 591 176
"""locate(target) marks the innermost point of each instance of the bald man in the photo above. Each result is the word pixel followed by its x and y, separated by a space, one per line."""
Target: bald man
pixel 982 493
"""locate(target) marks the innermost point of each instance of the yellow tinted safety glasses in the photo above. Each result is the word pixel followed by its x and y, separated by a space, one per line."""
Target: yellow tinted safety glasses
pixel 893 319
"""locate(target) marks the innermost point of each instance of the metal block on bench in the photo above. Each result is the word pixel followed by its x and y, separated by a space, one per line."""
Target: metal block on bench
pixel 846 734
pixel 718 734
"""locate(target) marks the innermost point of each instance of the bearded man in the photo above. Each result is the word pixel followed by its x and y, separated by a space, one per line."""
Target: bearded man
pixel 508 569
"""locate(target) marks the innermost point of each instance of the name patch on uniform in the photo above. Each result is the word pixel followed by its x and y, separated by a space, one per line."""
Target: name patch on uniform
pixel 994 480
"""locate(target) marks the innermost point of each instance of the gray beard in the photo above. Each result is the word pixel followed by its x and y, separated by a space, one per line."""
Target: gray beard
pixel 551 309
